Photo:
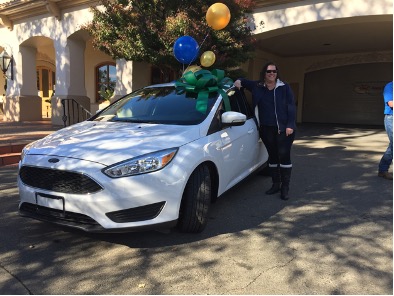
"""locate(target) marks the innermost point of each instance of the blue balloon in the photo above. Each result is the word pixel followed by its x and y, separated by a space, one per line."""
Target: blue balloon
pixel 185 49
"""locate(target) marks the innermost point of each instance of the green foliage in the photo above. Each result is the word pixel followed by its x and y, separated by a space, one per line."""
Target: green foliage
pixel 105 95
pixel 147 30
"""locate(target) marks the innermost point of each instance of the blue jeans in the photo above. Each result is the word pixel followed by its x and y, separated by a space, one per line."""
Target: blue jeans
pixel 387 157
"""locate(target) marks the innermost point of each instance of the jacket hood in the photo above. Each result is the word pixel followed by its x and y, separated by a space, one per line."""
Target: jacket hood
pixel 279 83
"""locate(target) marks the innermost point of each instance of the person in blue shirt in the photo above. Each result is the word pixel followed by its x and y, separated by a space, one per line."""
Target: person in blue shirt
pixel 387 157
pixel 273 102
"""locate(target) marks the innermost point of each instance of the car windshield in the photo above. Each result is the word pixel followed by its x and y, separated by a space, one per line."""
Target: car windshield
pixel 159 105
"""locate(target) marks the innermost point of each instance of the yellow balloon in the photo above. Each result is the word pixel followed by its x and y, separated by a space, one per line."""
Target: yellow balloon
pixel 207 58
pixel 193 68
pixel 218 16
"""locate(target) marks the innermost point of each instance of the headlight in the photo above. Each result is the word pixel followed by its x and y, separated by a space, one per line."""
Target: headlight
pixel 142 164
pixel 25 150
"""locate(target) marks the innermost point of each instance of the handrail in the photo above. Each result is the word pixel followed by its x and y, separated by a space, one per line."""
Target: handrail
pixel 74 112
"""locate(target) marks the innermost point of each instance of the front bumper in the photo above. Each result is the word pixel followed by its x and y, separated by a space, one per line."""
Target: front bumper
pixel 149 201
pixel 80 221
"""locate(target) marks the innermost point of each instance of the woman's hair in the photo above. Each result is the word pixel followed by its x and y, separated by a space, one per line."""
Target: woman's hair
pixel 262 73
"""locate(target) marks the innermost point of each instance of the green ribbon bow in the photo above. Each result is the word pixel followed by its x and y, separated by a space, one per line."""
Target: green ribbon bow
pixel 204 82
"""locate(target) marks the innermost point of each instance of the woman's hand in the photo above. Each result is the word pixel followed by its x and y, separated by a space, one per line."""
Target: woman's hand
pixel 289 131
pixel 237 83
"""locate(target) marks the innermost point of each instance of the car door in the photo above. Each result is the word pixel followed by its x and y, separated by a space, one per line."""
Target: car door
pixel 240 144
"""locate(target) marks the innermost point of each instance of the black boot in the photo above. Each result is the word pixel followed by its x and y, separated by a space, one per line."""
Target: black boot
pixel 275 174
pixel 284 190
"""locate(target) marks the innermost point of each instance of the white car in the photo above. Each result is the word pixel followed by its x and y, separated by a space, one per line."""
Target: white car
pixel 153 159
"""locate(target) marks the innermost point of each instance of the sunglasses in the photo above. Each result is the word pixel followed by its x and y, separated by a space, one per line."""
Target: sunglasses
pixel 271 71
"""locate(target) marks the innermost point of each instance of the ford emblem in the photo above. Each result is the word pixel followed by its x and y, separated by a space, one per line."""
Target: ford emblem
pixel 53 160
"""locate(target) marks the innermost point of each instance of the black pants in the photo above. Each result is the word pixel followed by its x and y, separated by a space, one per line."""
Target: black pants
pixel 278 146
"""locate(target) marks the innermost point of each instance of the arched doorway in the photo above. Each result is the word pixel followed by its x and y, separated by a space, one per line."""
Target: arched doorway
pixel 46 88
pixel 38 62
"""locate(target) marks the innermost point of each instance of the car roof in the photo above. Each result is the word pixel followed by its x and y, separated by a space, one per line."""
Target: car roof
pixel 172 84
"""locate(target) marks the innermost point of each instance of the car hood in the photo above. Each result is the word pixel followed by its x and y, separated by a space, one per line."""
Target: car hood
pixel 110 142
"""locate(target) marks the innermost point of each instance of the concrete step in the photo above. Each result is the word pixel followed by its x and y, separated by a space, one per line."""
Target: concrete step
pixel 10 153
pixel 11 148
pixel 10 158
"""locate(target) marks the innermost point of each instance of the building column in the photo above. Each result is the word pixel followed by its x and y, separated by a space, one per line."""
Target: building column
pixel 126 81
pixel 23 102
pixel 70 79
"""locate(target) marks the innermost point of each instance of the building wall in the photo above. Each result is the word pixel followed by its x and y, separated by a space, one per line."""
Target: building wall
pixel 284 21
pixel 92 59
pixel 355 96
pixel 303 12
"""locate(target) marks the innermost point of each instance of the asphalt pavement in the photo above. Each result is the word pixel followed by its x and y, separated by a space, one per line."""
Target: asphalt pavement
pixel 334 235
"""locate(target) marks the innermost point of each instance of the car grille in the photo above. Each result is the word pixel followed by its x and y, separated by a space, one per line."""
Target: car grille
pixel 53 215
pixel 137 214
pixel 58 181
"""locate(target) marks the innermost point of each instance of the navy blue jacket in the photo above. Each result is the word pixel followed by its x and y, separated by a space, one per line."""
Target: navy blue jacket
pixel 284 107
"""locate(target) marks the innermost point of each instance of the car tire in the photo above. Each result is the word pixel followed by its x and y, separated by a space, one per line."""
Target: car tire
pixel 196 200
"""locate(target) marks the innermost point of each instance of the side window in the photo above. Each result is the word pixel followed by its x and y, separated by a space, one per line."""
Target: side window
pixel 105 81
pixel 216 124
pixel 239 104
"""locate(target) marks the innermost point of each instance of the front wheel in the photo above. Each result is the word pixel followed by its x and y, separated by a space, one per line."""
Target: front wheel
pixel 196 200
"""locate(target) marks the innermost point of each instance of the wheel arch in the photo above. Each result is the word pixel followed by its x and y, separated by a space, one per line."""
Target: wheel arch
pixel 215 179
pixel 200 191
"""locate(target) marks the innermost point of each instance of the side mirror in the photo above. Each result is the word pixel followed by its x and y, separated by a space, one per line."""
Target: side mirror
pixel 231 118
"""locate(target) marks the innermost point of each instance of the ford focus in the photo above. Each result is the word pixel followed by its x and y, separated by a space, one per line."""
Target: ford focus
pixel 156 158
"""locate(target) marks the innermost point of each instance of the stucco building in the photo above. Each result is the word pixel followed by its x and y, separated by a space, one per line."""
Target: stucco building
pixel 337 56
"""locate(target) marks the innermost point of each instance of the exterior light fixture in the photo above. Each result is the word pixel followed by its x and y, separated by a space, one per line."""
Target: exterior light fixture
pixel 5 62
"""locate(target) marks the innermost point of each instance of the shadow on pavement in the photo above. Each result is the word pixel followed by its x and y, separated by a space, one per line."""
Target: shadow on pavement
pixel 332 237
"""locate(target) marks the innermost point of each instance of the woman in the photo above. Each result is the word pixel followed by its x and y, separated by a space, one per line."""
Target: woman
pixel 276 113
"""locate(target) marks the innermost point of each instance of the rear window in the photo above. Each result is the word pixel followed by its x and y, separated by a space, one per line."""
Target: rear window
pixel 159 105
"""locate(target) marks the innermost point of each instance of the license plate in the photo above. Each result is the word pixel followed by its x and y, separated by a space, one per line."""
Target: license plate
pixel 50 201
